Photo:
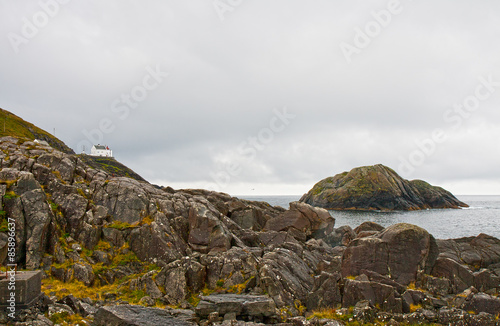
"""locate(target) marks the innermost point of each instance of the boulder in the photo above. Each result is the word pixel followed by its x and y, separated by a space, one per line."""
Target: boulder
pixel 481 302
pixel 285 277
pixel 460 276
pixel 126 199
pixel 240 305
pixel 314 222
pixel 206 231
pixel 234 267
pixel 147 284
pixel 32 213
pixel 326 292
pixel 436 285
pixel 84 274
pixel 341 236
pixel 368 226
pixel 131 315
pixel 377 294
pixel 400 251
pixel 478 252
pixel 412 297
pixel 249 218
pixel 156 242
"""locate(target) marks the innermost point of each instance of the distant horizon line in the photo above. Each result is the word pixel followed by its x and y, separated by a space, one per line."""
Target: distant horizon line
pixel 271 195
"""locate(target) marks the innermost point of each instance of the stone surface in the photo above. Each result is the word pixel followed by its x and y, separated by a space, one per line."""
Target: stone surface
pixel 399 252
pixel 27 288
pixel 241 305
pixel 377 187
pixel 312 221
pixel 460 276
pixel 481 302
pixel 377 294
pixel 136 316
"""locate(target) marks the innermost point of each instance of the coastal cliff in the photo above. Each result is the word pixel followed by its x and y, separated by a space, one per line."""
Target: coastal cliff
pixel 378 187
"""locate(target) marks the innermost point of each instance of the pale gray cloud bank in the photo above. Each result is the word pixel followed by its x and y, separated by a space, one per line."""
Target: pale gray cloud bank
pixel 255 97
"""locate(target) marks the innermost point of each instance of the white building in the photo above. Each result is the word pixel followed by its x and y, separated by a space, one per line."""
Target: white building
pixel 101 150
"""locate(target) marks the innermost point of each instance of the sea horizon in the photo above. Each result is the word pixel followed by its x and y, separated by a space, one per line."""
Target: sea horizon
pixel 482 216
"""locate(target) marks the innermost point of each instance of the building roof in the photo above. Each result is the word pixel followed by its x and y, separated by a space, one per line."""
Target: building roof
pixel 100 147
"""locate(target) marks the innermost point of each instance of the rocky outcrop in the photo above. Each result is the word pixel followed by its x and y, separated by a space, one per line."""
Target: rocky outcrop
pixel 202 251
pixel 310 221
pixel 399 251
pixel 241 306
pixel 377 187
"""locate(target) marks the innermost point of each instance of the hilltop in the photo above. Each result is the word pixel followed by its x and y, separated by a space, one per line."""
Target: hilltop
pixel 378 187
pixel 14 126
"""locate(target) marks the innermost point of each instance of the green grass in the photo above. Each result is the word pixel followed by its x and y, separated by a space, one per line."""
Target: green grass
pixel 10 195
pixel 65 319
pixel 3 221
pixel 119 225
pixel 12 125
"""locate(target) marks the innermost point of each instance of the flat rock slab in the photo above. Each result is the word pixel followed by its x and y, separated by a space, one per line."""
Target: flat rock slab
pixel 131 315
pixel 27 288
pixel 240 304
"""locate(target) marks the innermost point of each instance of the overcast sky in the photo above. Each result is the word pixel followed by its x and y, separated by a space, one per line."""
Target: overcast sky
pixel 263 97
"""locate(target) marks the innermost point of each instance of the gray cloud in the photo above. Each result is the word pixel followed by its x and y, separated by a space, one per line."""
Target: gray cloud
pixel 226 78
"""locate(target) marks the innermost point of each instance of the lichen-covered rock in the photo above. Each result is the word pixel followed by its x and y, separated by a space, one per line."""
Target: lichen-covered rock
pixel 326 292
pixel 84 274
pixel 341 236
pixel 207 232
pixel 285 277
pixel 240 305
pixel 382 295
pixel 377 187
pixel 27 205
pixel 147 284
pixel 131 315
pixel 368 226
pixel 480 251
pixel 156 242
pixel 312 221
pixel 481 302
pixel 125 198
pixel 460 276
pixel 233 267
pixel 400 251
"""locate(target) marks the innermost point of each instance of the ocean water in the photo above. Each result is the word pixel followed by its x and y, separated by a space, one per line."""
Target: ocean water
pixel 483 216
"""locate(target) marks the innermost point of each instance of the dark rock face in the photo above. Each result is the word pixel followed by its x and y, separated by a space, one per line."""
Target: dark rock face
pixel 285 276
pixel 312 221
pixel 326 291
pixel 240 305
pixel 135 316
pixel 481 302
pixel 399 251
pixel 376 293
pixel 207 232
pixel 377 188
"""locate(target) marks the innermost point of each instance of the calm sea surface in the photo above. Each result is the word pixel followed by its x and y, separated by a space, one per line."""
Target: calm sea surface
pixel 483 216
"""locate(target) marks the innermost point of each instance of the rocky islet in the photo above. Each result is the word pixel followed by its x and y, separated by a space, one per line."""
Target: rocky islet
pixel 377 187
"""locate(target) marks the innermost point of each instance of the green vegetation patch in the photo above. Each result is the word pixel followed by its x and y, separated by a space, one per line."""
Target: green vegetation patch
pixel 14 126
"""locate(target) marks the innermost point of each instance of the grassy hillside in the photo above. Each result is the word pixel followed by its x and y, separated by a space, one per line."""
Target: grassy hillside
pixel 12 125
